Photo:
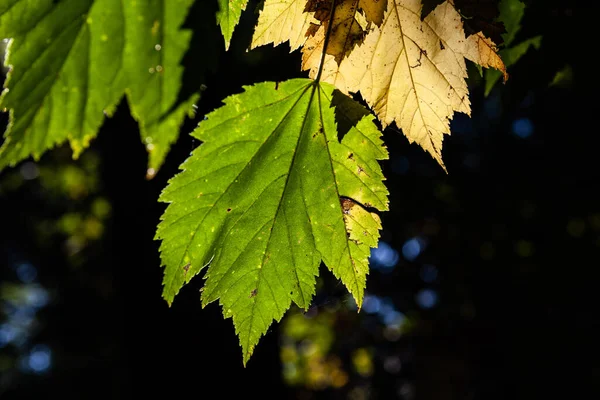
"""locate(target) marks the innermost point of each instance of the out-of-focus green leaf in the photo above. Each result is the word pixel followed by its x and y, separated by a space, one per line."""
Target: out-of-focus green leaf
pixel 511 14
pixel 154 49
pixel 564 77
pixel 510 56
pixel 269 194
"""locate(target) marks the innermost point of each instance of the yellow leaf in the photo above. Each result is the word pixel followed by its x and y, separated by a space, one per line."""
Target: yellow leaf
pixel 373 10
pixel 348 28
pixel 281 21
pixel 413 72
pixel 307 22
pixel 410 71
pixel 344 34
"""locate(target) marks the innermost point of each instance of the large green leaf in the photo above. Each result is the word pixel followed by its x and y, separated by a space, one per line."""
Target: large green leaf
pixel 228 17
pixel 71 62
pixel 269 194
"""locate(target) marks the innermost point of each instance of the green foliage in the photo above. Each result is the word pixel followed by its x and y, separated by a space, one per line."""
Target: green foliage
pixel 154 49
pixel 287 175
pixel 269 194
pixel 563 77
pixel 228 17
pixel 511 13
pixel 72 61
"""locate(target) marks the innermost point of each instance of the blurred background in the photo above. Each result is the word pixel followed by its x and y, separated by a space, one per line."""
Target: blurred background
pixel 484 284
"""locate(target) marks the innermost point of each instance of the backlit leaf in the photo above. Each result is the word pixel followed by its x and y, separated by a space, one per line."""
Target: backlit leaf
pixel 270 194
pixel 412 71
pixel 71 61
pixel 228 17
pixel 283 20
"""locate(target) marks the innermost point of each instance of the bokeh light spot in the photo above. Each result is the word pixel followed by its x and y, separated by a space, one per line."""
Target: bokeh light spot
pixel 26 272
pixel 37 361
pixel 371 304
pixel 522 127
pixel 426 298
pixel 524 248
pixel 29 171
pixel 412 248
pixel 384 257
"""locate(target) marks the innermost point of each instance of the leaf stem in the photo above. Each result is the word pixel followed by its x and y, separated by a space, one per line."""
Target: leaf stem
pixel 326 43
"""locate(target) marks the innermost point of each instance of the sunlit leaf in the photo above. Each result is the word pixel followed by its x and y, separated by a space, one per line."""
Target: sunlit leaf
pixel 412 71
pixel 283 20
pixel 228 17
pixel 270 194
pixel 71 62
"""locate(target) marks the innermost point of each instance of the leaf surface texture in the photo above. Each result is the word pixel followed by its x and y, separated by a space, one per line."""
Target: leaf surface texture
pixel 71 61
pixel 411 71
pixel 269 194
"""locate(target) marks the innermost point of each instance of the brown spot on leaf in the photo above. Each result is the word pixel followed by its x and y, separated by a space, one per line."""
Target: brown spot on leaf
pixel 318 132
pixel 312 29
pixel 253 293
pixel 347 205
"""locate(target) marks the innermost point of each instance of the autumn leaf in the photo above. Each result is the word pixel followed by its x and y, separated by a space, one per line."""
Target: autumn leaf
pixel 269 194
pixel 412 71
pixel 481 16
pixel 282 21
pixel 346 27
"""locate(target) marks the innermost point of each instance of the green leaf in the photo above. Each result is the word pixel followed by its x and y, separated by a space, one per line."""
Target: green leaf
pixel 53 91
pixel 510 56
pixel 511 14
pixel 154 50
pixel 228 17
pixel 71 62
pixel 269 194
pixel 563 77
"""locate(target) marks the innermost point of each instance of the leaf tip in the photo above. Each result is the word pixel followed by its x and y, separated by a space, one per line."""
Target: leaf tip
pixel 247 355
pixel 150 173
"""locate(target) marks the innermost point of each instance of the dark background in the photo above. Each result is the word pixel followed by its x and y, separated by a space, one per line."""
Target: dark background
pixel 513 233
